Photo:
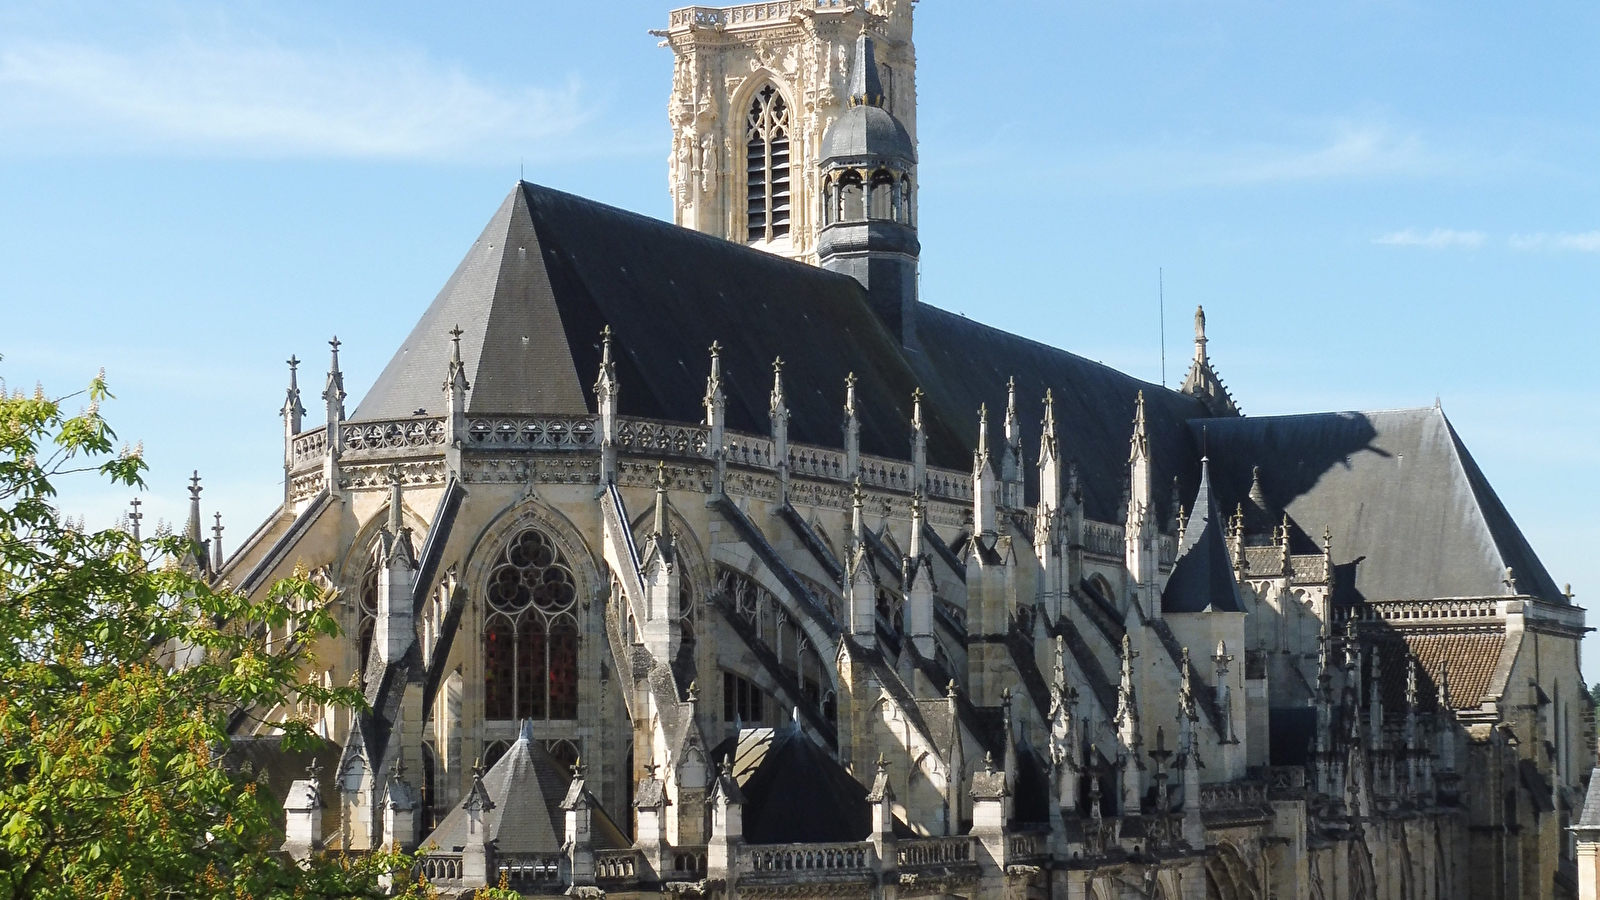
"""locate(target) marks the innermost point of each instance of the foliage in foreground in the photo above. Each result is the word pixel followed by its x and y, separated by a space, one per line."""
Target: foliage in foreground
pixel 119 672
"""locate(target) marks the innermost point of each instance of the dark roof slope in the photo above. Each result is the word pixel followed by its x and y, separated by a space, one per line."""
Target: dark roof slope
pixel 1202 575
pixel 799 794
pixel 968 363
pixel 1409 508
pixel 551 270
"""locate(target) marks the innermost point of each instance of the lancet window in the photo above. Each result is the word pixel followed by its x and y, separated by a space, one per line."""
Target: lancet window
pixel 367 616
pixel 767 166
pixel 530 635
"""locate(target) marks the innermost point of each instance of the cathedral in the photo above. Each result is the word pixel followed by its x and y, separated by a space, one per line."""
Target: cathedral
pixel 702 559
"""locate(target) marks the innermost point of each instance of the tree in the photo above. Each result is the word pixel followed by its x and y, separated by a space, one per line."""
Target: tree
pixel 119 670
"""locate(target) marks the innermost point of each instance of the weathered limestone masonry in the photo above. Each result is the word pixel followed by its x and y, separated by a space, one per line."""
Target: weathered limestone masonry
pixel 672 566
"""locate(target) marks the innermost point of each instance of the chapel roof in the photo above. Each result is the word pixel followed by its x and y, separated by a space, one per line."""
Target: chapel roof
pixel 526 786
pixel 1412 515
pixel 1202 574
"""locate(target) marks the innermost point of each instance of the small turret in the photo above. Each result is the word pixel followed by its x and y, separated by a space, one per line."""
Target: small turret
pixel 868 201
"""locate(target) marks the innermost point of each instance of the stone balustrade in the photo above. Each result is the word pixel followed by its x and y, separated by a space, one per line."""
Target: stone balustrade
pixel 1103 539
pixel 534 432
pixel 529 870
pixel 439 869
pixel 1425 612
pixel 392 434
pixel 308 447
pixel 934 853
pixel 852 858
pixel 618 865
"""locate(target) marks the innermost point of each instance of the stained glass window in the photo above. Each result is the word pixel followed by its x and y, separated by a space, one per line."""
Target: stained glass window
pixel 531 633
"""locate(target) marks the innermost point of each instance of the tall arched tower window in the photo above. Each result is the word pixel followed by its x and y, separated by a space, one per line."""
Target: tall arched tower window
pixel 767 166
pixel 530 636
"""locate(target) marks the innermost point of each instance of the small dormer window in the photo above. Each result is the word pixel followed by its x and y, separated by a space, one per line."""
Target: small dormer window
pixel 767 170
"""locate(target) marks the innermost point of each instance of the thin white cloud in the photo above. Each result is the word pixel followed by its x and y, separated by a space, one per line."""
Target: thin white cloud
pixel 1328 150
pixel 261 99
pixel 1582 242
pixel 1437 239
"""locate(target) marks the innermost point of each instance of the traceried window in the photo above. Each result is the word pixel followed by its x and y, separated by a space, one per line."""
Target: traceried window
pixel 767 169
pixel 367 617
pixel 530 636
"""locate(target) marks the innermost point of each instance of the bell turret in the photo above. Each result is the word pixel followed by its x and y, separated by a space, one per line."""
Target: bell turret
pixel 868 208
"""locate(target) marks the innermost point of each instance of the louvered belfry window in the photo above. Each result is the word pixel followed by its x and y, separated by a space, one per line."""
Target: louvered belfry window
pixel 767 157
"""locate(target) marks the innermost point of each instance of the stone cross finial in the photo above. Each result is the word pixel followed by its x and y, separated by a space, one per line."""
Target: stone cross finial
pixel 135 517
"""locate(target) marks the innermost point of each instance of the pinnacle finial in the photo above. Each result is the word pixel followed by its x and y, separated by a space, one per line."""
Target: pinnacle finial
pixel 194 486
pixel 605 346
pixel 716 350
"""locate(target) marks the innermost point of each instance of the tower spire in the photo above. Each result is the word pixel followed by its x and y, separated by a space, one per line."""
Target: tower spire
pixel 866 89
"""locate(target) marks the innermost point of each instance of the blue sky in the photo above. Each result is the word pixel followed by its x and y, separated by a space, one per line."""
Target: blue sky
pixel 1378 203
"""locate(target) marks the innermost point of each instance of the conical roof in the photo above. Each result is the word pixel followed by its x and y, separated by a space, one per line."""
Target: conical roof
pixel 527 786
pixel 799 794
pixel 1202 577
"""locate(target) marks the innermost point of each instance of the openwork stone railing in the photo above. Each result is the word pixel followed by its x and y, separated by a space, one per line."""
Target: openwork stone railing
pixel 535 432
pixel 617 865
pixel 308 446
pixel 1232 796
pixel 1103 538
pixel 939 852
pixel 688 862
pixel 1027 845
pixel 817 461
pixel 651 436
pixel 439 868
pixel 744 450
pixel 808 858
pixel 1424 611
pixel 648 437
pixel 395 434
pixel 528 869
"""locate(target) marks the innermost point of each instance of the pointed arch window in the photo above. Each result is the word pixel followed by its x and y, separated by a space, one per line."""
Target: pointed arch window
pixel 530 636
pixel 767 166
pixel 367 616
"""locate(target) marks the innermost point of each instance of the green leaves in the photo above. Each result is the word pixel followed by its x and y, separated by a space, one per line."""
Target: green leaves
pixel 119 674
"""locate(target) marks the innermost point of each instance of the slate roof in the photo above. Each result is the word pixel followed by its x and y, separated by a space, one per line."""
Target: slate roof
pixel 1590 817
pixel 1202 575
pixel 797 793
pixel 1410 509
pixel 1411 512
pixel 554 269
pixel 527 786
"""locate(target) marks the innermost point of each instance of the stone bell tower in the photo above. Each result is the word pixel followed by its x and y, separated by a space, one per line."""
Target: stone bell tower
pixel 754 87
